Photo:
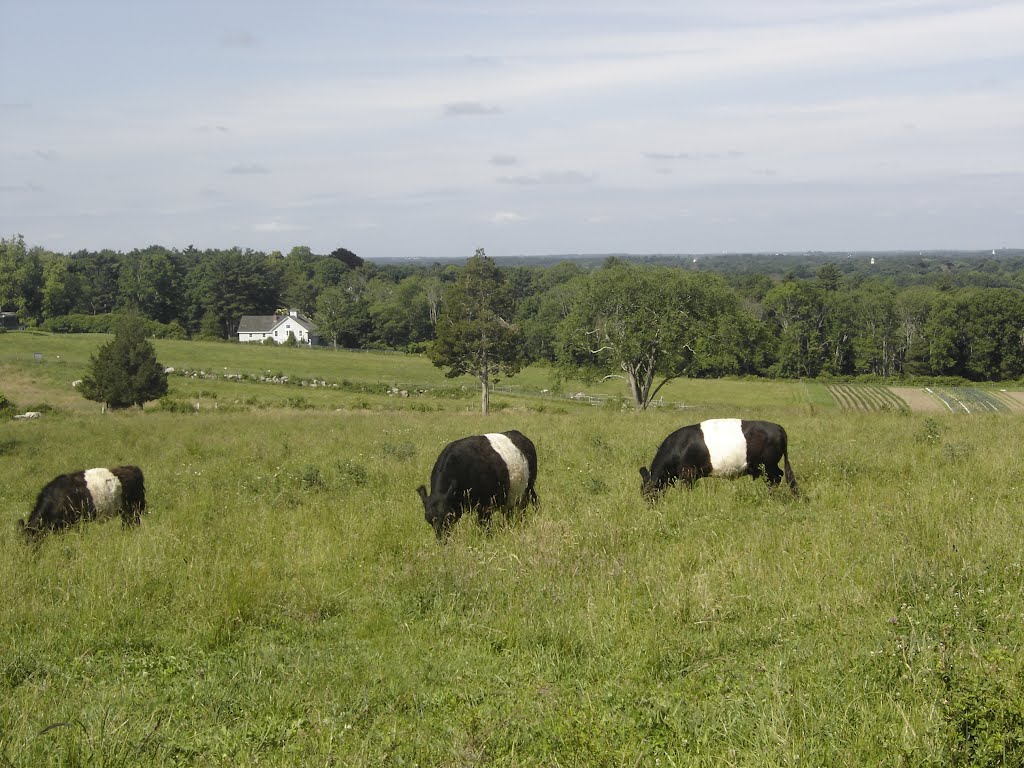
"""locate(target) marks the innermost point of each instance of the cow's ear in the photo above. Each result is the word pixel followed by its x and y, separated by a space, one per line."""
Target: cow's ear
pixel 422 491
pixel 645 474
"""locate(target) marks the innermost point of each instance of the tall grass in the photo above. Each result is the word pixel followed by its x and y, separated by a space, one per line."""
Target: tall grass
pixel 284 602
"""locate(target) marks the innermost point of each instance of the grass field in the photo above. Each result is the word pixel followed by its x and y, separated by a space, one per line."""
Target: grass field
pixel 284 602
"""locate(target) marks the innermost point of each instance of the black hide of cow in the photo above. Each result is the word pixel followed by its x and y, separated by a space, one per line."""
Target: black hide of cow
pixel 66 500
pixel 684 455
pixel 470 474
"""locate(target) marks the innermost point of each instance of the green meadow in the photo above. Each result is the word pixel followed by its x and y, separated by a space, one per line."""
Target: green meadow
pixel 284 602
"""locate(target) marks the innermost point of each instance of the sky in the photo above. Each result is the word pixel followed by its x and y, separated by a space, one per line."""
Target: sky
pixel 423 129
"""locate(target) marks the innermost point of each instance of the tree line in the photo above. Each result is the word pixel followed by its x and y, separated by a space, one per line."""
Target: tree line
pixel 642 322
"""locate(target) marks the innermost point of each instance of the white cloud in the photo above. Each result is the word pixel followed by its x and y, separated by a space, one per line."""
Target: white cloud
pixel 506 217
pixel 276 226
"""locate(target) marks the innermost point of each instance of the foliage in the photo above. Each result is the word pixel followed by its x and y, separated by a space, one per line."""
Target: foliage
pixel 231 284
pixel 641 324
pixel 125 371
pixel 474 335
pixel 342 315
pixel 984 711
pixel 788 315
pixel 106 323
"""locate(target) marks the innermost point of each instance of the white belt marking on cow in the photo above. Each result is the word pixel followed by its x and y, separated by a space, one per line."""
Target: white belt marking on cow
pixel 727 446
pixel 105 489
pixel 518 468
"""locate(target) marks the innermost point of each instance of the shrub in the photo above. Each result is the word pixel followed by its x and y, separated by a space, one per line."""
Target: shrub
pixel 6 407
pixel 930 432
pixel 175 406
pixel 311 478
pixel 125 371
pixel 107 323
pixel 984 712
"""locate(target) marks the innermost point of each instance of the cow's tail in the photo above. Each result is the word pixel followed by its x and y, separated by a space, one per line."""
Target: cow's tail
pixel 790 477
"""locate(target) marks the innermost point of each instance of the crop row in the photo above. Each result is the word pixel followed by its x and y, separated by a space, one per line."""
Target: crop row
pixel 967 399
pixel 865 397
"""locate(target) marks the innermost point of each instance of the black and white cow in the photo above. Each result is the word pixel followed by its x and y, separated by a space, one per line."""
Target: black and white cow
pixel 482 472
pixel 89 494
pixel 719 447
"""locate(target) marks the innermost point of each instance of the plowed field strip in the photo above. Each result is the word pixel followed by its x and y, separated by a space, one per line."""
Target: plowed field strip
pixel 866 397
pixel 1013 400
pixel 919 401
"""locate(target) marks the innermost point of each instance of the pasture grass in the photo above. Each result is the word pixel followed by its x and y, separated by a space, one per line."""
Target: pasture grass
pixel 65 357
pixel 284 602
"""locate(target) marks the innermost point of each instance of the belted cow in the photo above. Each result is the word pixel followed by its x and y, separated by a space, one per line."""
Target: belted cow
pixel 89 494
pixel 481 472
pixel 719 447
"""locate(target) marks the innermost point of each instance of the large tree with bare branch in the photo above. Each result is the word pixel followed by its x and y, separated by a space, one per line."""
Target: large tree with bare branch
pixel 644 325
pixel 474 333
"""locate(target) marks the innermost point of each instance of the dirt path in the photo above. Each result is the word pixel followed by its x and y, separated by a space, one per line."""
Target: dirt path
pixel 918 400
pixel 1014 400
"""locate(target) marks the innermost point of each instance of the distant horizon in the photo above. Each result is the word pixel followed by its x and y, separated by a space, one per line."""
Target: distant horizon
pixel 999 251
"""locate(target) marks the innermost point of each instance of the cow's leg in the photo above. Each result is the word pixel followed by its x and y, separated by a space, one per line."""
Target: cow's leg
pixel 691 475
pixel 774 475
pixel 483 515
pixel 130 516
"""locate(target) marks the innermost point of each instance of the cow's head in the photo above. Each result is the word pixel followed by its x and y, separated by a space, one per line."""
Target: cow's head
pixel 649 489
pixel 30 533
pixel 439 508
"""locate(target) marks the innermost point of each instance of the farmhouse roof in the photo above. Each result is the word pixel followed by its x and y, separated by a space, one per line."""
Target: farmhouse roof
pixel 267 323
pixel 302 320
pixel 258 323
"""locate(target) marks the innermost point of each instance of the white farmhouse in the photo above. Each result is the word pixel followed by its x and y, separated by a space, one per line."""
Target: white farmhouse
pixel 277 327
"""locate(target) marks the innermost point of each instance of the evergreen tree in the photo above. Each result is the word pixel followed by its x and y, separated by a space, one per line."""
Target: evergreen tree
pixel 125 371
pixel 473 335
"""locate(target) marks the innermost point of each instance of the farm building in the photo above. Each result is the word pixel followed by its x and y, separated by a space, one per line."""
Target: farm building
pixel 277 327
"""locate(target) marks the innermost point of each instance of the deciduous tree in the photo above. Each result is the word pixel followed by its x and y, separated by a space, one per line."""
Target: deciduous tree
pixel 643 323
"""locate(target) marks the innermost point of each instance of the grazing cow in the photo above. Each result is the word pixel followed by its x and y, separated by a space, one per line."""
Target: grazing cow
pixel 482 472
pixel 719 447
pixel 89 494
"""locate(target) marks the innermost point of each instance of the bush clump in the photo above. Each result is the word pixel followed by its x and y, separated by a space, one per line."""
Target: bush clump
pixel 125 371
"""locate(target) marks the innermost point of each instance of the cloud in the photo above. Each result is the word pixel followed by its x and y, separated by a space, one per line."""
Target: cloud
pixel 276 226
pixel 506 217
pixel 28 186
pixel 208 128
pixel 671 156
pixel 46 154
pixel 469 109
pixel 239 40
pixel 504 160
pixel 551 177
pixel 245 169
